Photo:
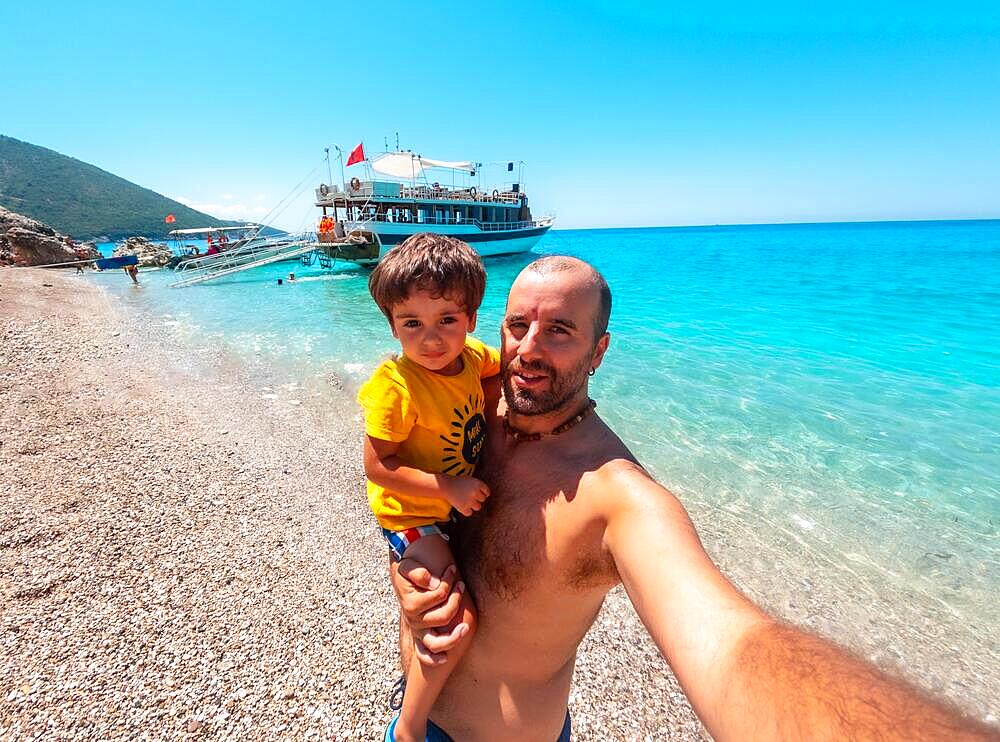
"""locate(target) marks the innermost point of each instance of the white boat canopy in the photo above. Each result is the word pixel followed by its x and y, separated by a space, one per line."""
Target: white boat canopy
pixel 205 230
pixel 409 165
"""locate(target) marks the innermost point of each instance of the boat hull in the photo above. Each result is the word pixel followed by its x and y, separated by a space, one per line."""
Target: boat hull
pixel 487 243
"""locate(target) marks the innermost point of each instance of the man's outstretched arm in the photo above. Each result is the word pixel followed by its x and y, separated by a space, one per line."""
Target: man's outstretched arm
pixel 747 675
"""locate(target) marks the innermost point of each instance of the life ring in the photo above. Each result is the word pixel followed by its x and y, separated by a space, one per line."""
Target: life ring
pixel 324 189
pixel 355 184
pixel 496 193
pixel 473 192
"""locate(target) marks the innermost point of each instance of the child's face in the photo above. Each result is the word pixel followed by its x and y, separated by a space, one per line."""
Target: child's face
pixel 432 331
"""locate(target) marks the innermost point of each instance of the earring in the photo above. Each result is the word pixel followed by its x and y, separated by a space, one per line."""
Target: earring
pixel 592 372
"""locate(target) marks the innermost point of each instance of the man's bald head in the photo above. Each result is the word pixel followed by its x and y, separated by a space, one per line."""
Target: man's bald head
pixel 587 273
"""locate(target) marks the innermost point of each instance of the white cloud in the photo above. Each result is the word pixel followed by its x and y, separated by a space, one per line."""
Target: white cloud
pixel 234 211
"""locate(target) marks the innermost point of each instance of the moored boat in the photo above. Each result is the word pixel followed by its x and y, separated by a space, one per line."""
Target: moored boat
pixel 403 195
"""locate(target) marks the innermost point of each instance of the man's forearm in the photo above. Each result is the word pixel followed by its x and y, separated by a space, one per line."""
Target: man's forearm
pixel 786 684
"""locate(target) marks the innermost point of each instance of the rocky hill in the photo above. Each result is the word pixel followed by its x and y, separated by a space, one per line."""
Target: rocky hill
pixel 84 201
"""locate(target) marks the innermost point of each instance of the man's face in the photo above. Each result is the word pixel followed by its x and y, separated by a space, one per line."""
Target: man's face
pixel 548 345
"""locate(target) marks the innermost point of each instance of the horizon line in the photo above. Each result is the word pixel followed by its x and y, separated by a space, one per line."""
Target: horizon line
pixel 785 224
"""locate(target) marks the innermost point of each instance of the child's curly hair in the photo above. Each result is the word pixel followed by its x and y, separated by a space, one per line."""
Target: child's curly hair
pixel 440 265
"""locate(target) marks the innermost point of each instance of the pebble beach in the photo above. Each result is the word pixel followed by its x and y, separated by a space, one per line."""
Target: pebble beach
pixel 180 557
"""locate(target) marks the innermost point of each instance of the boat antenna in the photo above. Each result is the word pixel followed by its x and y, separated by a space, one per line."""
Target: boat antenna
pixel 329 174
pixel 340 156
pixel 397 141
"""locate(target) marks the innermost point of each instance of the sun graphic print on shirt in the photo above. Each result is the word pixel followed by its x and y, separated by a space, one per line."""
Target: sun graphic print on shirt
pixel 464 443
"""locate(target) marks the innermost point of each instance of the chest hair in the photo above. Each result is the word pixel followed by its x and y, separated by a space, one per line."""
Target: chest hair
pixel 504 545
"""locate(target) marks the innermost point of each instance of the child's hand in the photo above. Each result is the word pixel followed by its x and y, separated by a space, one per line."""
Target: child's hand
pixel 466 494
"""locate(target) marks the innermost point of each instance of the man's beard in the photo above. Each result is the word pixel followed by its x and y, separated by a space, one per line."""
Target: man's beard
pixel 563 386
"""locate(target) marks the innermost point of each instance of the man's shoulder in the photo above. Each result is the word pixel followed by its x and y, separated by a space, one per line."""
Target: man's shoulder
pixel 613 476
pixel 604 454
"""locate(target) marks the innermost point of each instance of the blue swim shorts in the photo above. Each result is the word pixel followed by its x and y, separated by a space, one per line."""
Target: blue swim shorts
pixel 437 734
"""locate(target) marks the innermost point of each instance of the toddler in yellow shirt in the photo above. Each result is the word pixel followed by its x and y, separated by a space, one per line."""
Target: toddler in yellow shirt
pixel 424 425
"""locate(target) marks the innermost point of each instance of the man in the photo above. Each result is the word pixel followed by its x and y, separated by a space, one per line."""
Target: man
pixel 80 254
pixel 572 514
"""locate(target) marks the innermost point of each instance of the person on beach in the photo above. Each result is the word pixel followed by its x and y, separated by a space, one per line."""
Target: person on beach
pixel 81 255
pixel 571 515
pixel 132 271
pixel 424 424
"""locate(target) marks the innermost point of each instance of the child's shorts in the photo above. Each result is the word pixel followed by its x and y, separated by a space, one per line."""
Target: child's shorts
pixel 399 540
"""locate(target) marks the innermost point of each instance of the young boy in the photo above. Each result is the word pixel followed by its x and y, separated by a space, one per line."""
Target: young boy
pixel 424 425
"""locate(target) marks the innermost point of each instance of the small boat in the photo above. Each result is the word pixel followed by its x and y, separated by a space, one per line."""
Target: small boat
pixel 121 261
pixel 217 239
pixel 232 250
pixel 404 195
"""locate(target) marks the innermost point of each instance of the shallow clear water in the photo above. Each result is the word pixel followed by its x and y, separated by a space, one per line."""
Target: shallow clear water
pixel 831 387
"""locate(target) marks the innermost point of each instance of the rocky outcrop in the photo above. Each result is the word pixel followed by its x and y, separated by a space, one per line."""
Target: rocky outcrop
pixel 26 242
pixel 149 253
pixel 87 250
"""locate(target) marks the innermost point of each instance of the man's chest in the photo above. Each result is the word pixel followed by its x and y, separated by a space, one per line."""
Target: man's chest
pixel 537 528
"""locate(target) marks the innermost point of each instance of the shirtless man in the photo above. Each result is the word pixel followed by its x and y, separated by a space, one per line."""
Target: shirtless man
pixel 572 514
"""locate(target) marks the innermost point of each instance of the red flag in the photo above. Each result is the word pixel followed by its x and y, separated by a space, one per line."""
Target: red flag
pixel 170 219
pixel 357 155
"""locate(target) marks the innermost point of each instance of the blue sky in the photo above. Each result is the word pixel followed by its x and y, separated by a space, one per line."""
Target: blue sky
pixel 627 113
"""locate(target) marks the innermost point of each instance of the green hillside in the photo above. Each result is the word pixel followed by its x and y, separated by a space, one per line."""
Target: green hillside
pixel 84 201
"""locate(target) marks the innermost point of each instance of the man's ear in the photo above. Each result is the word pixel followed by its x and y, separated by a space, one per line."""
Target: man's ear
pixel 472 322
pixel 599 350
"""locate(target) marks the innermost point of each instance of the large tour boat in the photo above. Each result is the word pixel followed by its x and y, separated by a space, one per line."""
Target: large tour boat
pixel 403 193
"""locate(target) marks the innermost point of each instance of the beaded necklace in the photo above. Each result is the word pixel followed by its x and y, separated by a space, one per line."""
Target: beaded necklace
pixel 522 437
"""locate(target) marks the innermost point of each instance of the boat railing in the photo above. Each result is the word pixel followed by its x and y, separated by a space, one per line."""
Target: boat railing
pixel 460 194
pixel 456 221
pixel 368 190
pixel 257 252
pixel 510 226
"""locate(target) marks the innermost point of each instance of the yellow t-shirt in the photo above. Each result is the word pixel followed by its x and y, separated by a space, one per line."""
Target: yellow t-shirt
pixel 438 422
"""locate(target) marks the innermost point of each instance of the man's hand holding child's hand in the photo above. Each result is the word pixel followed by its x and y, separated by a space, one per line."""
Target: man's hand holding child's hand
pixel 466 494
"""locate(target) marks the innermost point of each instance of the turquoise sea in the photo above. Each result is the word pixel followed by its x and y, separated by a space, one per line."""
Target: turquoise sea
pixel 824 398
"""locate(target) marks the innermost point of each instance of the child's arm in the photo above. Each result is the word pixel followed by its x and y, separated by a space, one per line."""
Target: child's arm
pixel 386 469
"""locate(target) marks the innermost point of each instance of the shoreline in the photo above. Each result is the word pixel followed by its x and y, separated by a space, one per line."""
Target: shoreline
pixel 184 557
